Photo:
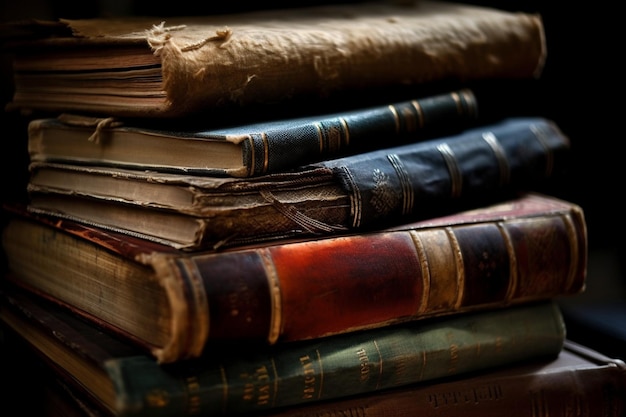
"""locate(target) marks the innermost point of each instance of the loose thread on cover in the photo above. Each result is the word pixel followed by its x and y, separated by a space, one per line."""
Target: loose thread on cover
pixel 309 224
pixel 103 124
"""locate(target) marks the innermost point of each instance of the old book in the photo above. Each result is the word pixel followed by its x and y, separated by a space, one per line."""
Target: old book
pixel 177 66
pixel 580 382
pixel 579 379
pixel 382 187
pixel 175 303
pixel 245 378
pixel 243 150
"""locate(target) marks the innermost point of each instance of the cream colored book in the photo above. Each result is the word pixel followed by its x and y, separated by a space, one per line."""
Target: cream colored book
pixel 176 66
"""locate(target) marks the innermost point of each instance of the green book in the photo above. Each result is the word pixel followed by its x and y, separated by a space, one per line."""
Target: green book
pixel 248 378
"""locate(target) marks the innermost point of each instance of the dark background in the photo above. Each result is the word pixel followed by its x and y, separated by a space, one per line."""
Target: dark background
pixel 581 89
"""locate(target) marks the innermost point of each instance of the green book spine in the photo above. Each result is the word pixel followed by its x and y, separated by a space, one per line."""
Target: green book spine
pixel 339 366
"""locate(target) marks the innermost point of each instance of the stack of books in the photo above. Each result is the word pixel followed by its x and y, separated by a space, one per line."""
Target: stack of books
pixel 202 235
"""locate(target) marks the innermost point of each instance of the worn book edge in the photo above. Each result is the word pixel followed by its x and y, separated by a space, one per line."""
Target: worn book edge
pixel 426 246
pixel 400 45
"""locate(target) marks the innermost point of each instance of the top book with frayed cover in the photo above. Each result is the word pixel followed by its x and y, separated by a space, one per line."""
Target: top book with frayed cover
pixel 180 66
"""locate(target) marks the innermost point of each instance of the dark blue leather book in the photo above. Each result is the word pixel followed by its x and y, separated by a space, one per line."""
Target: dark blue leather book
pixel 254 148
pixel 368 190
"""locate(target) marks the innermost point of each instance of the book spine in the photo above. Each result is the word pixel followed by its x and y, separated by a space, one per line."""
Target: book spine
pixel 591 391
pixel 362 362
pixel 389 184
pixel 357 131
pixel 316 288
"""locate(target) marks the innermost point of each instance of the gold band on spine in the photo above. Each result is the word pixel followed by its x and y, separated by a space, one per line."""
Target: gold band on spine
pixel 456 180
pixel 510 249
pixel 498 151
pixel 425 268
pixel 197 321
pixel 266 153
pixel 442 269
pixel 408 194
pixel 320 137
pixel 396 116
pixel 273 285
pixel 460 267
pixel 460 108
pixel 345 137
pixel 467 96
pixel 419 111
pixel 333 135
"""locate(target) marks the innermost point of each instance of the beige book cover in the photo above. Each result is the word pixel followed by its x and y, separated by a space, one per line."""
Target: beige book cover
pixel 176 66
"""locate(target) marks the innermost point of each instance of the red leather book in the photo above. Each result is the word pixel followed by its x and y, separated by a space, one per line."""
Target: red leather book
pixel 176 303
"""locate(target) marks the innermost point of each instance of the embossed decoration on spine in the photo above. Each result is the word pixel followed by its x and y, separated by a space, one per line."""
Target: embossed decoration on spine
pixel 513 155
